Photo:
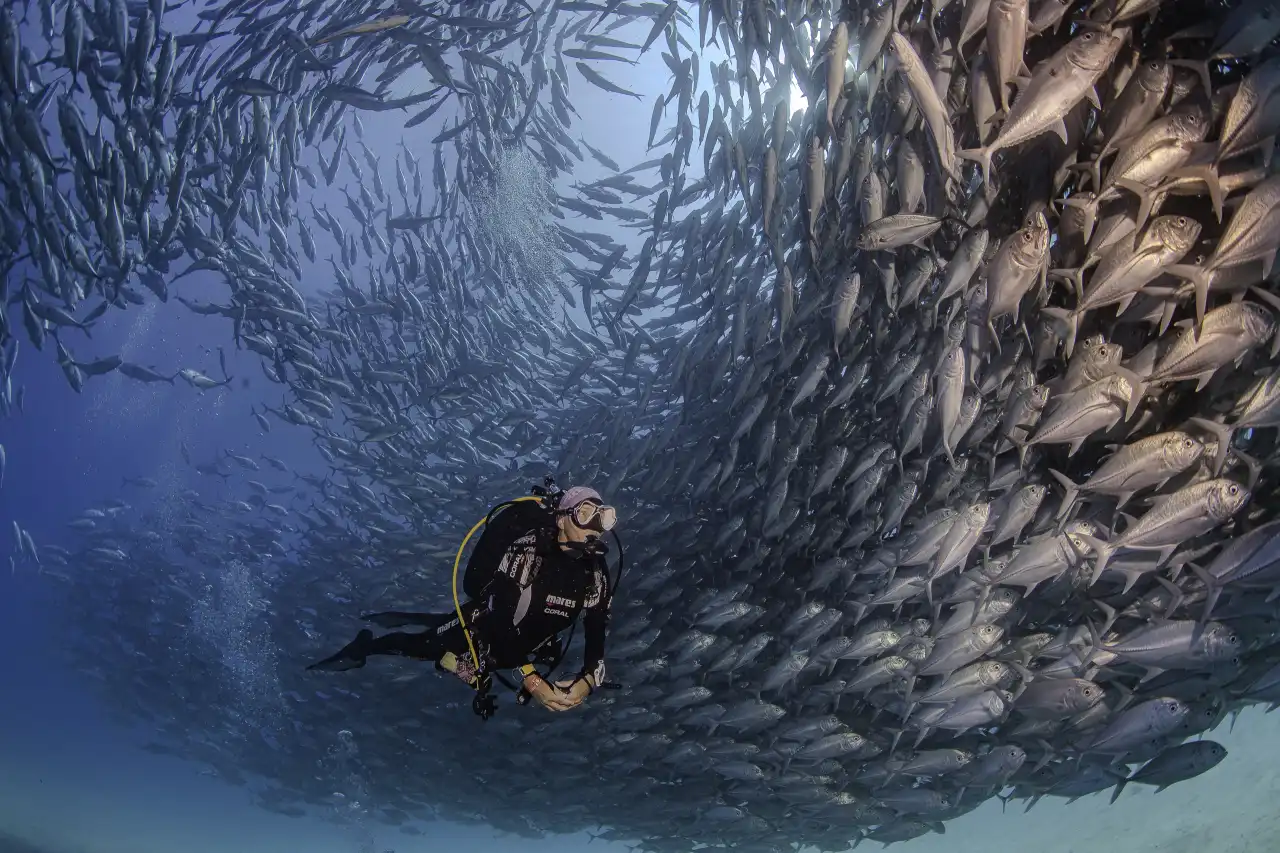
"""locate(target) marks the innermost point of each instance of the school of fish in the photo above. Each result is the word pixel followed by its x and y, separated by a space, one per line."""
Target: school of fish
pixel 930 361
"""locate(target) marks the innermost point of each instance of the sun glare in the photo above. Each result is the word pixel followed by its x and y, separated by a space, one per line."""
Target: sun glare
pixel 798 100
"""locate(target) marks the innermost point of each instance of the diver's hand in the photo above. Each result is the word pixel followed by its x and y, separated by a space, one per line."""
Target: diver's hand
pixel 547 695
pixel 575 691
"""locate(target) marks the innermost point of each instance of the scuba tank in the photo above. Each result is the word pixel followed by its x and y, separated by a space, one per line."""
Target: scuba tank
pixel 505 523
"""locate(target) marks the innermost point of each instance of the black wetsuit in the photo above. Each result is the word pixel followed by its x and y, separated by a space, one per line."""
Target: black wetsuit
pixel 537 591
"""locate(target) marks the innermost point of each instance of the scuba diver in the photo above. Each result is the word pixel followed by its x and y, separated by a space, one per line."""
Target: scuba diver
pixel 539 564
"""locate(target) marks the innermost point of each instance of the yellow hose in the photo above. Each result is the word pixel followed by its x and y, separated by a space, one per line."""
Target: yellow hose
pixel 457 606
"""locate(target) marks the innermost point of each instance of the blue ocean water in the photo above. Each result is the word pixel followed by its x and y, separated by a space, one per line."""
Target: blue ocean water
pixel 74 777
pixel 74 774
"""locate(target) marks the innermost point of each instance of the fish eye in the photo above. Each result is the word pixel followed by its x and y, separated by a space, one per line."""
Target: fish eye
pixel 1182 221
pixel 1154 66
pixel 1172 705
pixel 1188 443
pixel 1233 490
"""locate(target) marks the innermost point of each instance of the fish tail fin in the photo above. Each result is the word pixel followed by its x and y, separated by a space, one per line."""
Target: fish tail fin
pixel 1073 276
pixel 1070 324
pixel 981 156
pixel 1137 389
pixel 1222 433
pixel 1021 443
pixel 1207 172
pixel 1212 589
pixel 1102 552
pixel 1176 597
pixel 1111 615
pixel 1147 199
pixel 1070 489
pixel 1092 168
pixel 897 736
pixel 1084 203
pixel 859 611
pixel 1199 277
pixel 983 595
pixel 908 684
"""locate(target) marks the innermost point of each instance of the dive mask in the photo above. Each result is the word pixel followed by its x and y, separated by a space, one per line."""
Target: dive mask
pixel 593 515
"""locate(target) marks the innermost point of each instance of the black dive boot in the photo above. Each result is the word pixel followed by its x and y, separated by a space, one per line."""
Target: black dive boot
pixel 352 655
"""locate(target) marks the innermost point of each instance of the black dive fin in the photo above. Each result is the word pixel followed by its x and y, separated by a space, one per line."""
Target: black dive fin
pixel 352 656
pixel 399 619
